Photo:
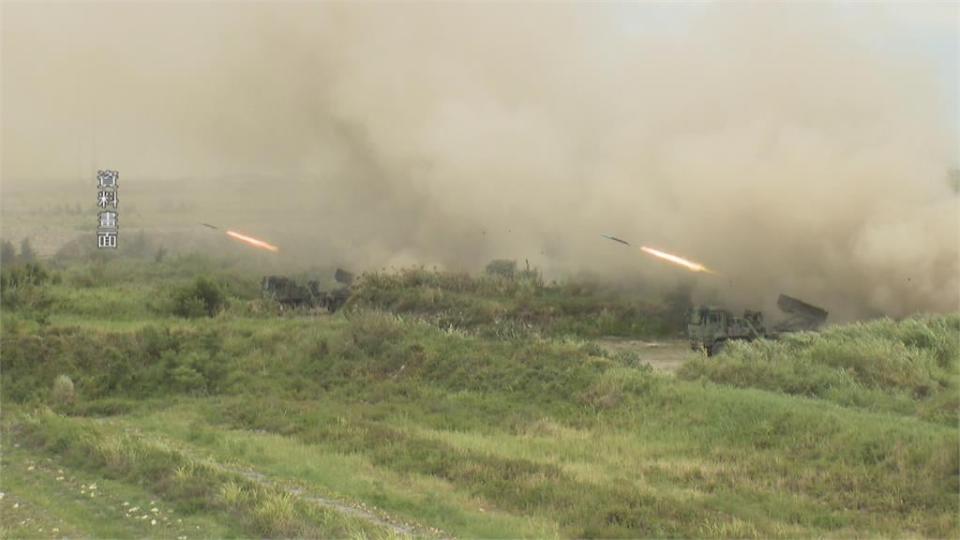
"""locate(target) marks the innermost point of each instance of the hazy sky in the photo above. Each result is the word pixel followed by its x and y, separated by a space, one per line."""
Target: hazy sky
pixel 800 147
pixel 85 82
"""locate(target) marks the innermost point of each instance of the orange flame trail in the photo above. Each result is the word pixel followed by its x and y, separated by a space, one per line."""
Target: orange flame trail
pixel 253 241
pixel 689 265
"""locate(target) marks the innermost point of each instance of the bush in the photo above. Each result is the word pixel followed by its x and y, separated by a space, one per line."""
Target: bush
pixel 202 298
pixel 186 379
pixel 502 267
pixel 30 274
pixel 190 307
pixel 63 392
pixel 23 287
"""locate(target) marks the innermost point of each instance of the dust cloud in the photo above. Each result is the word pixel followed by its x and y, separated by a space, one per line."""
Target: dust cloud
pixel 795 148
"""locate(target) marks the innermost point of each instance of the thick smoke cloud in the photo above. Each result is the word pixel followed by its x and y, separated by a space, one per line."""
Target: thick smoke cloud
pixel 784 146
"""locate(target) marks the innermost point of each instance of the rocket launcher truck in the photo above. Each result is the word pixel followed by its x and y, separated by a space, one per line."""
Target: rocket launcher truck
pixel 710 328
pixel 291 294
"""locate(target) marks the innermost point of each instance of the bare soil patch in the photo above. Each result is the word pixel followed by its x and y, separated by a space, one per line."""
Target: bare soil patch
pixel 666 356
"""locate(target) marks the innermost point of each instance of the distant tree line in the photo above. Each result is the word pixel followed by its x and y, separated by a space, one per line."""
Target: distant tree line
pixel 9 256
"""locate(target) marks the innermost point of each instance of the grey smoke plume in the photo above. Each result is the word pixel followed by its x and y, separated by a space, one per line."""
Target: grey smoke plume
pixel 782 145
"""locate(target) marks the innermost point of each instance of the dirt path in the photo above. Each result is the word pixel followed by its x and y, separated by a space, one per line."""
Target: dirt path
pixel 356 510
pixel 666 356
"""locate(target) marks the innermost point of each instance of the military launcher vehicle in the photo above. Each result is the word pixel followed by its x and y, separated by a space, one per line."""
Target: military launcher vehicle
pixel 709 328
pixel 291 294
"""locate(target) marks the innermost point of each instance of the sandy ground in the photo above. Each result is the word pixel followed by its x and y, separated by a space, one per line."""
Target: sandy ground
pixel 665 356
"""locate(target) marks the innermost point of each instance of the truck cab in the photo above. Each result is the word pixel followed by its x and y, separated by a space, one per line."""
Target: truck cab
pixel 709 328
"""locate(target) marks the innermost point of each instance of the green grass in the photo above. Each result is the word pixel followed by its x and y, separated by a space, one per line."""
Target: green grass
pixel 603 474
pixel 192 485
pixel 64 501
pixel 338 474
pixel 500 307
pixel 910 367
pixel 138 288
pixel 253 424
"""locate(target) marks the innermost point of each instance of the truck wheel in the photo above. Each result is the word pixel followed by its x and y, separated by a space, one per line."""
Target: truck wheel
pixel 715 349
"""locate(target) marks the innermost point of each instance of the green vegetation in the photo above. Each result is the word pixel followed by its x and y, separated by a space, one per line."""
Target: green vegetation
pixel 505 304
pixel 502 267
pixel 911 367
pixel 442 404
pixel 46 498
pixel 202 298
pixel 193 484
pixel 24 288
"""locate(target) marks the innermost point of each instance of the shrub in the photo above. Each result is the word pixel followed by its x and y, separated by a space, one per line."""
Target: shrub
pixel 202 298
pixel 502 267
pixel 30 274
pixel 22 287
pixel 63 392
pixel 187 379
pixel 189 307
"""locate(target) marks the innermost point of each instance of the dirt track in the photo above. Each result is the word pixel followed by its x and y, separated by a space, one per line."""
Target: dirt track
pixel 666 356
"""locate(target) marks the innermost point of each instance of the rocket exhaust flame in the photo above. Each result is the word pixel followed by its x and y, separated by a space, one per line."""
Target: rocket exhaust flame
pixel 689 265
pixel 253 241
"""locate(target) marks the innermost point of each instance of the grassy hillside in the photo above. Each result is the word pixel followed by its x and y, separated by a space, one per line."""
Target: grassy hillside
pixel 414 413
pixel 498 306
pixel 910 367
